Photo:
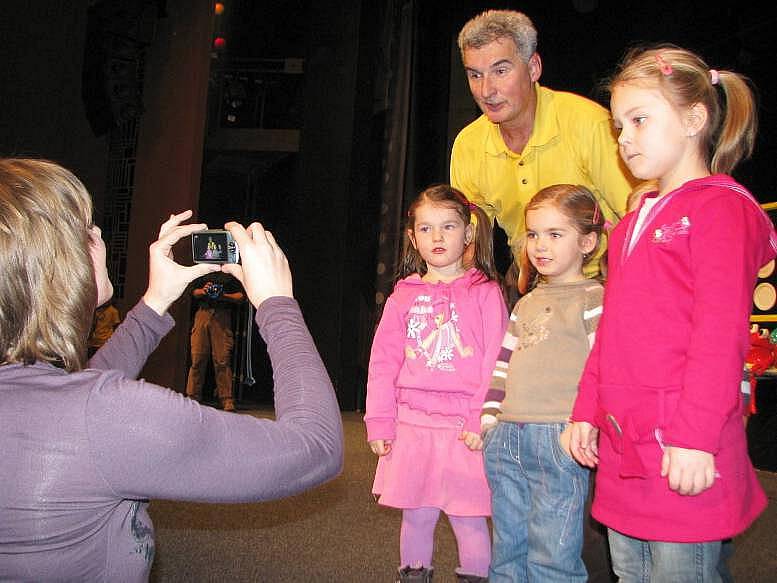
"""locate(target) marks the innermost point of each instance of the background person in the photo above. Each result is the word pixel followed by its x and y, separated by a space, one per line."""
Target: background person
pixel 84 448
pixel 212 336
pixel 106 318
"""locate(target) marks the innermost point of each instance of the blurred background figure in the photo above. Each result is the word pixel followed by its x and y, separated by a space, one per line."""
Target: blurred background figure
pixel 212 336
pixel 106 318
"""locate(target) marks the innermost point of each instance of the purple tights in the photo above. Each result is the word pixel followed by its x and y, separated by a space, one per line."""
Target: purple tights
pixel 416 540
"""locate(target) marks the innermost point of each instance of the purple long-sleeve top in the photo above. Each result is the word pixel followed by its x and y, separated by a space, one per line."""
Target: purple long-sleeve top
pixel 83 452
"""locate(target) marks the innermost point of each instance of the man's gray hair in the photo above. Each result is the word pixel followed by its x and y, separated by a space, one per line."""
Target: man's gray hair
pixel 491 25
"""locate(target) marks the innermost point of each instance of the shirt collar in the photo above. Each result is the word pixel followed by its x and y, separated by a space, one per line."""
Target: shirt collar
pixel 545 126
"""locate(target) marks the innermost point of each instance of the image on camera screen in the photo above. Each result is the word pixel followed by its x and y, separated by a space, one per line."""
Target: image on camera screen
pixel 210 247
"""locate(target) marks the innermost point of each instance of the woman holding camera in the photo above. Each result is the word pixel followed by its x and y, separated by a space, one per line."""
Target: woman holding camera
pixel 85 445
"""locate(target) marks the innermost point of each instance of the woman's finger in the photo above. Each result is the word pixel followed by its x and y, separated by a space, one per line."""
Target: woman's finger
pixel 174 220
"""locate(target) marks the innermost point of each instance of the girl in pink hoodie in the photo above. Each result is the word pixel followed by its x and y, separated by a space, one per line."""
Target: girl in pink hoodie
pixel 659 407
pixel 430 368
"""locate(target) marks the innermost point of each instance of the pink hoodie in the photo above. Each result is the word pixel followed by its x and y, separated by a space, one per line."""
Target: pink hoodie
pixel 434 350
pixel 667 363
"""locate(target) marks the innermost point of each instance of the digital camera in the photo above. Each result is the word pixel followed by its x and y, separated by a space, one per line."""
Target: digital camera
pixel 214 246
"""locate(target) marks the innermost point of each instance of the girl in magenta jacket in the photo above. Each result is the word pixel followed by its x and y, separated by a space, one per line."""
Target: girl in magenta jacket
pixel 430 368
pixel 660 389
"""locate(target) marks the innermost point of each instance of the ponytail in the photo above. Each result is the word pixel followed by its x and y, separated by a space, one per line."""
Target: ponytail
pixel 685 80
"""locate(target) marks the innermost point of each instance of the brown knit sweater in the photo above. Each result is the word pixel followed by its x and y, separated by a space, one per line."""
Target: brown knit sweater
pixel 544 350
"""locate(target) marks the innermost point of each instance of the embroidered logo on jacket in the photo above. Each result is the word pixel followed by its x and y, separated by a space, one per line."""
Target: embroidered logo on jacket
pixel 668 232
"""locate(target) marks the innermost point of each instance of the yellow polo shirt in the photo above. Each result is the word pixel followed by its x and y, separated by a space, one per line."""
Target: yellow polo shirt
pixel 572 143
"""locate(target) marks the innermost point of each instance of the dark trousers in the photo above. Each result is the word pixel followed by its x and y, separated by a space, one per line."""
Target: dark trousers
pixel 211 338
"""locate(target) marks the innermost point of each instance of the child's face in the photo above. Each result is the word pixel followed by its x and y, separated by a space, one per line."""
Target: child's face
pixel 655 138
pixel 555 248
pixel 440 236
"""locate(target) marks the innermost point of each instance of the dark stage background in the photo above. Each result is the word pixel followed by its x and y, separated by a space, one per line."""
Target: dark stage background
pixel 320 119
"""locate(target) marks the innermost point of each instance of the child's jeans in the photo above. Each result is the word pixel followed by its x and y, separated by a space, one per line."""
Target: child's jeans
pixel 538 495
pixel 639 561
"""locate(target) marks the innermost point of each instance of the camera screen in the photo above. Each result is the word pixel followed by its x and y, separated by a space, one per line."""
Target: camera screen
pixel 210 247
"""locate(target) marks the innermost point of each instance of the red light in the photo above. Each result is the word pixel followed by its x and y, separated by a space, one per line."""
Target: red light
pixel 219 8
pixel 220 42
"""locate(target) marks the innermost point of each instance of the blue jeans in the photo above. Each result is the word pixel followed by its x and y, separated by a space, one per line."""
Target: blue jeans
pixel 639 561
pixel 538 496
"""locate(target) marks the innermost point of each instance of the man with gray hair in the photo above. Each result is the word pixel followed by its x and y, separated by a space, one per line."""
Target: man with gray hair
pixel 529 136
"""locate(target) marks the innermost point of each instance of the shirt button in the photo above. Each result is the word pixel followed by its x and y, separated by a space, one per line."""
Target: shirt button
pixel 520 163
pixel 524 181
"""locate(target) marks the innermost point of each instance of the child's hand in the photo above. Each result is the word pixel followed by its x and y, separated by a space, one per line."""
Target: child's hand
pixel 486 426
pixel 583 443
pixel 380 447
pixel 690 471
pixel 564 438
pixel 472 440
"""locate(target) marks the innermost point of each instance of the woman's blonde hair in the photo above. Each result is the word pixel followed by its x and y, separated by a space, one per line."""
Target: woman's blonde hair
pixel 47 287
pixel 579 205
pixel 685 80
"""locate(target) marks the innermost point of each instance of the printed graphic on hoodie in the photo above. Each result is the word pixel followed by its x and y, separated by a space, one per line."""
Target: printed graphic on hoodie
pixel 433 333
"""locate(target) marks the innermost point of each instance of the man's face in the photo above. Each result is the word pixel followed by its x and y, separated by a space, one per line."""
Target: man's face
pixel 501 82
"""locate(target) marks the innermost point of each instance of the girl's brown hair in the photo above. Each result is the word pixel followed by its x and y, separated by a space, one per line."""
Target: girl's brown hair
pixel 579 205
pixel 47 289
pixel 685 80
pixel 445 195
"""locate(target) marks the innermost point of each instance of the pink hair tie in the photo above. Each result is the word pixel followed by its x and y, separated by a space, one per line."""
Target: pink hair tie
pixel 714 76
pixel 608 226
pixel 663 66
pixel 473 218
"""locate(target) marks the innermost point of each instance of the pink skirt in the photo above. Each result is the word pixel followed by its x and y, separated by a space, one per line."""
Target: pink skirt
pixel 429 466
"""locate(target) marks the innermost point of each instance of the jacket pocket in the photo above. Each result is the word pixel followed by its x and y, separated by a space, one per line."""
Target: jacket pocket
pixel 628 416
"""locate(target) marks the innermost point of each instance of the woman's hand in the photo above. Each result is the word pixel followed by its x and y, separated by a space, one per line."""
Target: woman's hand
pixel 264 272
pixel 380 447
pixel 167 280
pixel 584 443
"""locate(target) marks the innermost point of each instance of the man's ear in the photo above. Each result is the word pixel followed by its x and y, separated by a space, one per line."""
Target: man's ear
pixel 535 67
pixel 411 236
pixel 696 119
